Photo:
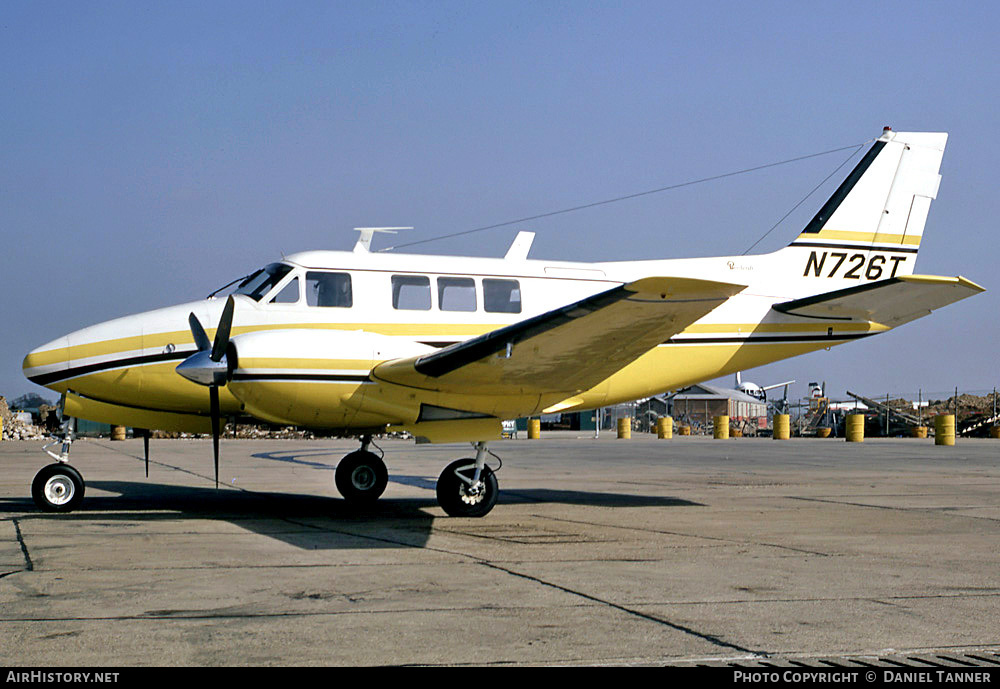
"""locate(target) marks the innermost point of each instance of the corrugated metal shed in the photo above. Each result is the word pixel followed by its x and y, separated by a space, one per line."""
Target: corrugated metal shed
pixel 701 402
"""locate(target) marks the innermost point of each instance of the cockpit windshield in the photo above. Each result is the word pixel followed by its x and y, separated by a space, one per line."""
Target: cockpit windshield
pixel 260 283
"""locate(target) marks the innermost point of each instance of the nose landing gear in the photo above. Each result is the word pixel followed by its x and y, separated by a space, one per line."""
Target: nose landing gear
pixel 58 487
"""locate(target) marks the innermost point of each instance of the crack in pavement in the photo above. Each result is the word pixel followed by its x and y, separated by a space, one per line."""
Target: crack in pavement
pixel 711 638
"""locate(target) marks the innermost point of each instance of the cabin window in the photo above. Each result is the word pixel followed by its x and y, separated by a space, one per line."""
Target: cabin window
pixel 289 294
pixel 501 296
pixel 329 289
pixel 456 294
pixel 411 292
pixel 261 282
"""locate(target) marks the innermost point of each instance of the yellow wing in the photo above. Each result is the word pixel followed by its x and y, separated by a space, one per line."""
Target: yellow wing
pixel 569 349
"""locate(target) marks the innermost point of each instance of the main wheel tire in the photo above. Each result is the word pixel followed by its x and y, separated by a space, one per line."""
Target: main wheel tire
pixel 458 499
pixel 58 488
pixel 361 477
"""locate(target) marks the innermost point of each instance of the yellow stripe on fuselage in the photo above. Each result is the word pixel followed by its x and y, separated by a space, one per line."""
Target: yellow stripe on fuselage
pixel 868 237
pixel 105 348
pixel 183 338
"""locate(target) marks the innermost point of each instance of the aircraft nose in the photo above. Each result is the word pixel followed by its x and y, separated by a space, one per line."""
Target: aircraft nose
pixel 45 364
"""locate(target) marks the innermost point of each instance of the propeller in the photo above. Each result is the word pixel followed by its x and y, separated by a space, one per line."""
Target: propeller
pixel 209 366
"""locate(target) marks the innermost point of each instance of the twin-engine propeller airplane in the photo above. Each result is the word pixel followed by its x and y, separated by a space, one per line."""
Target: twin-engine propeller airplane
pixel 756 391
pixel 362 343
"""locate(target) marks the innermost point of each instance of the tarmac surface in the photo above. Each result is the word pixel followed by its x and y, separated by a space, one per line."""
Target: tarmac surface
pixel 615 552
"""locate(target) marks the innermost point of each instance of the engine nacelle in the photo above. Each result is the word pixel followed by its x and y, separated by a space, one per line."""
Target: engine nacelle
pixel 324 384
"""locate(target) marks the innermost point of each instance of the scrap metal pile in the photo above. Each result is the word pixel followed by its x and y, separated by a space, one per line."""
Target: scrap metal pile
pixel 15 428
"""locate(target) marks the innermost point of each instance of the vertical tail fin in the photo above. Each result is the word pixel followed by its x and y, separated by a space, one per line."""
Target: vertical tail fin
pixel 870 229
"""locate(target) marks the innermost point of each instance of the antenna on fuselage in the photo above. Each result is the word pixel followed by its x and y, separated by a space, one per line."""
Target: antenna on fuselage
pixel 364 244
pixel 520 247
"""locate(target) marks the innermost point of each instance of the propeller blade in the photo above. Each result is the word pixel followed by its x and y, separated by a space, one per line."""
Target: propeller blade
pixel 200 338
pixel 222 332
pixel 216 414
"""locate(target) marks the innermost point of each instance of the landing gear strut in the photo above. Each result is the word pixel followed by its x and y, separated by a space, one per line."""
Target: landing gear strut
pixel 361 476
pixel 58 487
pixel 467 487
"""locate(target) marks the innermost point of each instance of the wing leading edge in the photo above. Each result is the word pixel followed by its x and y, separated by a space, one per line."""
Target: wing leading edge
pixel 568 349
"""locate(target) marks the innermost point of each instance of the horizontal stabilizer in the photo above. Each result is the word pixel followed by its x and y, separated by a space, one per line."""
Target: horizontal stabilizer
pixel 890 302
pixel 569 349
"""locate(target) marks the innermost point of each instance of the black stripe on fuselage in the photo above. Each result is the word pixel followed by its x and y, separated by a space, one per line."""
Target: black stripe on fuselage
pixel 303 377
pixel 860 247
pixel 73 372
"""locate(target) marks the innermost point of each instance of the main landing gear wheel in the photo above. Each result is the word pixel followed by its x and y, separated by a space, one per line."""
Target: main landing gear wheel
pixel 460 497
pixel 58 488
pixel 361 477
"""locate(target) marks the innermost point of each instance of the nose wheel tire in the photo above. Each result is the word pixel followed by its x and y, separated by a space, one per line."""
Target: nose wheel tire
pixel 361 477
pixel 58 488
pixel 460 499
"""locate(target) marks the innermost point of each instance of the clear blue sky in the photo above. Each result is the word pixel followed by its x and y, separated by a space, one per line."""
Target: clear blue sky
pixel 150 152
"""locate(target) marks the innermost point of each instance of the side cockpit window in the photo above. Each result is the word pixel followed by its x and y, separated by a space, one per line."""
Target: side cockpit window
pixel 501 296
pixel 329 289
pixel 289 294
pixel 261 282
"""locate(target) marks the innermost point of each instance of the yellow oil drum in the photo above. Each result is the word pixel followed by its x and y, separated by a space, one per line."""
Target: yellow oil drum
pixel 855 431
pixel 721 424
pixel 782 427
pixel 625 428
pixel 664 427
pixel 823 432
pixel 919 431
pixel 534 429
pixel 995 432
pixel 683 430
pixel 944 429
pixel 118 433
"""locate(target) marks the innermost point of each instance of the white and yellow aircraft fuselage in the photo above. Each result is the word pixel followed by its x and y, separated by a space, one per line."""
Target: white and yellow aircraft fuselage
pixel 445 347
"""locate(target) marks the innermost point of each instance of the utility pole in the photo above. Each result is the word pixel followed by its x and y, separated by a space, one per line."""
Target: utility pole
pixel 887 415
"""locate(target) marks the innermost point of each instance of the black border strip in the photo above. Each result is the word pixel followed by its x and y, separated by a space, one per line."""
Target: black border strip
pixel 789 306
pixel 831 206
pixel 859 247
pixel 768 339
pixel 307 377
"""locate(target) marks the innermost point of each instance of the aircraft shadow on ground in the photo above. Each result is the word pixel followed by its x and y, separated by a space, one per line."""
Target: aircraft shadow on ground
pixel 570 497
pixel 312 522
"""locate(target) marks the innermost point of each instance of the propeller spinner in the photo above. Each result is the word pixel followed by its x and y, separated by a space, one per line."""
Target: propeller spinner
pixel 209 366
